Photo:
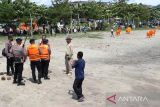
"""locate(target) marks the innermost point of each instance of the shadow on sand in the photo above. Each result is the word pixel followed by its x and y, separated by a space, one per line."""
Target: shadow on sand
pixel 73 94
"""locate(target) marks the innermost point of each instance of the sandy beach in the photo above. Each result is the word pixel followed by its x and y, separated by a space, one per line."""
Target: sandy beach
pixel 128 65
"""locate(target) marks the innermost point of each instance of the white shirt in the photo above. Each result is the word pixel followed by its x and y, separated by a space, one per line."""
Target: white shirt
pixel 69 50
pixel 111 30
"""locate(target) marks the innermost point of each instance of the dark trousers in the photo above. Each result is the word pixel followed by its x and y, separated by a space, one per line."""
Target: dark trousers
pixel 34 65
pixel 18 72
pixel 10 63
pixel 45 65
pixel 77 86
pixel 112 34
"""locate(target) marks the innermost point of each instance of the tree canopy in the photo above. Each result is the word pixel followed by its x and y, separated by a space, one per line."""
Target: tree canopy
pixel 20 10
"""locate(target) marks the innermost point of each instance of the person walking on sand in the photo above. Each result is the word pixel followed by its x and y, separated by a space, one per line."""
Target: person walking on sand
pixel 68 55
pixel 112 32
pixel 33 52
pixel 19 54
pixel 79 66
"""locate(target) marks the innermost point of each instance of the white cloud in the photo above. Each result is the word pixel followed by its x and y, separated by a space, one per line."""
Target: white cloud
pixel 148 2
pixel 45 2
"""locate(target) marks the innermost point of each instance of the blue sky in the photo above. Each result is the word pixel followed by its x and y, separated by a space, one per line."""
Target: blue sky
pixel 148 2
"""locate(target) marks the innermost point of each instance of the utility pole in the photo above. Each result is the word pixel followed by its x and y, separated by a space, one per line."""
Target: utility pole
pixel 78 18
pixel 79 22
pixel 71 22
pixel 31 32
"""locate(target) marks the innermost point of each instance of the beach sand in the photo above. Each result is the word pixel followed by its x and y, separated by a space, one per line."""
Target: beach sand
pixel 128 65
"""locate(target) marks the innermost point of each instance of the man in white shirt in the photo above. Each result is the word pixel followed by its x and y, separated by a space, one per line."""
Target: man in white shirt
pixel 68 54
pixel 112 32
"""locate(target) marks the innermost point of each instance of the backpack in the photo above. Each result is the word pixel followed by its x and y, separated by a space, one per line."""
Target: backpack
pixel 3 52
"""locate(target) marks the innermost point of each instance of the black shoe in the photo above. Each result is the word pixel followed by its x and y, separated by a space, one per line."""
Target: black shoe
pixel 81 99
pixel 8 74
pixel 21 83
pixel 46 78
pixel 15 82
pixel 39 82
pixel 34 81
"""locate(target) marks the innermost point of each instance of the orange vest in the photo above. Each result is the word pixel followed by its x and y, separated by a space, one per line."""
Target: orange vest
pixel 44 52
pixel 33 52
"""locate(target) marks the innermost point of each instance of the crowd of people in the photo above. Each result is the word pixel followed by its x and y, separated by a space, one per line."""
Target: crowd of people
pixel 40 54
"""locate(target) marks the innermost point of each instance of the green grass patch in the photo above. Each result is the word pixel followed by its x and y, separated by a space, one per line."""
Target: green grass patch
pixel 3 38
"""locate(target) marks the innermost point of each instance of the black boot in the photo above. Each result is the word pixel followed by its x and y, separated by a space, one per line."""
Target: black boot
pixel 9 74
pixel 46 78
pixel 15 82
pixel 20 83
pixel 39 81
pixel 34 80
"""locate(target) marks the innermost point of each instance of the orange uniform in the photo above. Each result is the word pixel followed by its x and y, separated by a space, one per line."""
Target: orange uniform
pixel 33 52
pixel 45 53
pixel 151 33
pixel 128 30
pixel 118 32
pixel 154 32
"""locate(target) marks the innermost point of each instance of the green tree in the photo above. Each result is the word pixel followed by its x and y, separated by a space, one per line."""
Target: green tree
pixel 60 10
pixel 7 12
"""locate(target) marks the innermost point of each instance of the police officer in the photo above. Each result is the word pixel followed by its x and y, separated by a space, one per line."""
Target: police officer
pixel 9 55
pixel 45 57
pixel 19 54
pixel 33 53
